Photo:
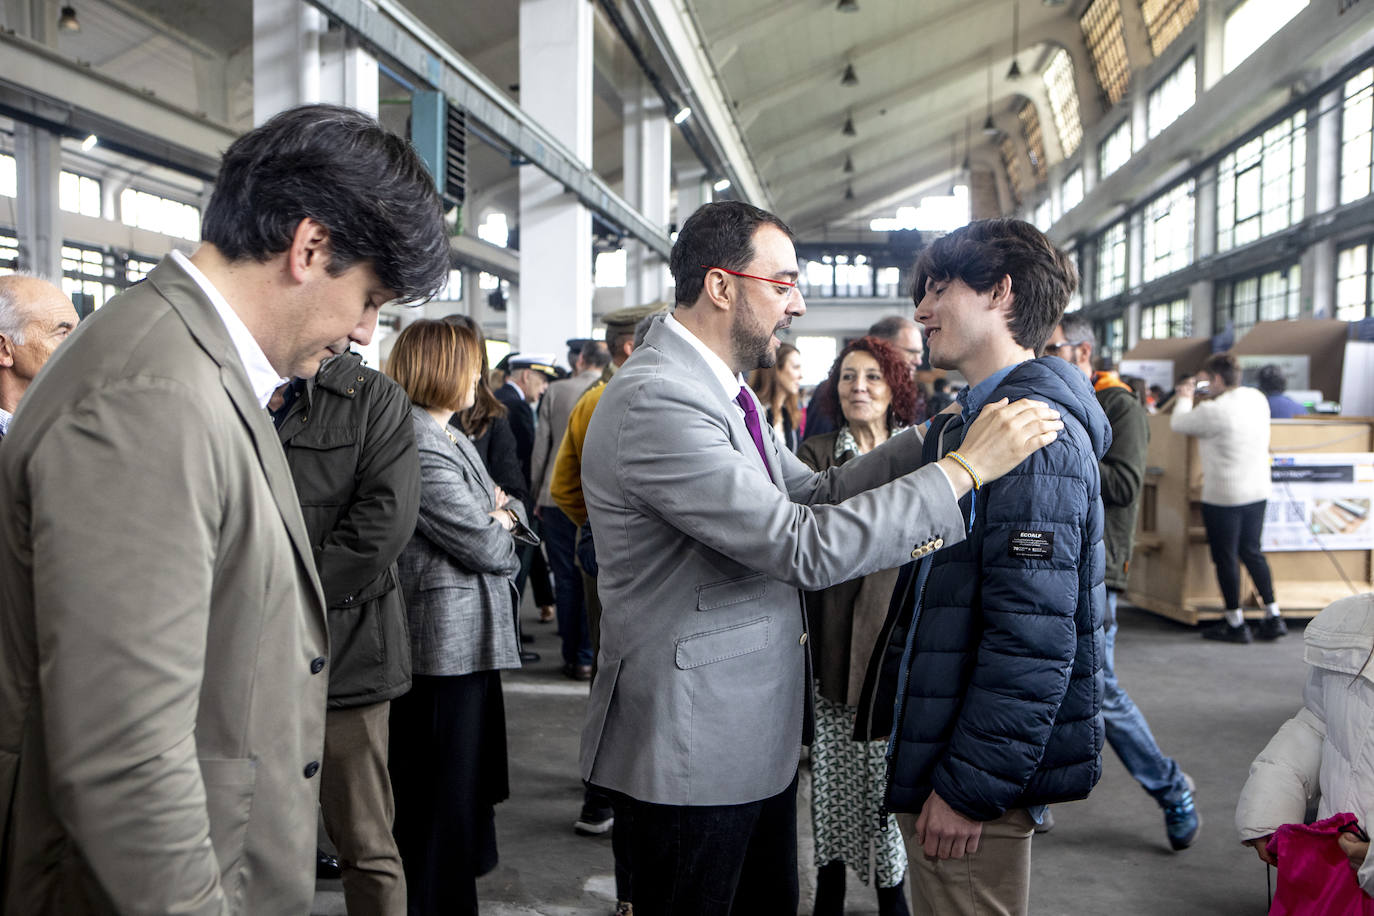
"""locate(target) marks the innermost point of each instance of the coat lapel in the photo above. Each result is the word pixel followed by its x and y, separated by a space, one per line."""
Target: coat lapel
pixel 190 302
pixel 695 368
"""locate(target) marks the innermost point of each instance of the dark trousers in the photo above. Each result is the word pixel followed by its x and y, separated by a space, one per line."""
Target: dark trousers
pixel 448 769
pixel 1234 531
pixel 560 536
pixel 713 860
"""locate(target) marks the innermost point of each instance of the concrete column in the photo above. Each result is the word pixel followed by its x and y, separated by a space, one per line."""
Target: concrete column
pixel 1211 17
pixel 348 74
pixel 286 56
pixel 297 60
pixel 1200 296
pixel 1318 291
pixel 692 192
pixel 554 300
pixel 38 161
pixel 647 169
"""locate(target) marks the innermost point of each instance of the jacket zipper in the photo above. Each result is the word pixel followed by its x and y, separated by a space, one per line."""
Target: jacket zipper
pixel 904 680
pixel 904 671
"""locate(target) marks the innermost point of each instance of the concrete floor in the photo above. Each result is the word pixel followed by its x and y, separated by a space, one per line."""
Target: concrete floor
pixel 1212 706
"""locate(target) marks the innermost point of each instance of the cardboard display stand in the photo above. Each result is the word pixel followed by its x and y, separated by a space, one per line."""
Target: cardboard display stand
pixel 1171 569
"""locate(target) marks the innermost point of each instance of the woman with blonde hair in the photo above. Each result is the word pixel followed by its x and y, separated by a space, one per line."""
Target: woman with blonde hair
pixel 778 388
pixel 448 735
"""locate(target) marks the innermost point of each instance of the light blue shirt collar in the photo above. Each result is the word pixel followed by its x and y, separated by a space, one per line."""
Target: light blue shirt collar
pixel 972 399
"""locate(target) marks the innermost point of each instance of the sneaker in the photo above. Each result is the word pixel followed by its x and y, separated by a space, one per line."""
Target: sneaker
pixel 594 821
pixel 1271 628
pixel 1224 632
pixel 1181 820
pixel 1046 823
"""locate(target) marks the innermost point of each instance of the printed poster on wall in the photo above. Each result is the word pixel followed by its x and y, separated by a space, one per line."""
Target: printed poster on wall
pixel 1320 500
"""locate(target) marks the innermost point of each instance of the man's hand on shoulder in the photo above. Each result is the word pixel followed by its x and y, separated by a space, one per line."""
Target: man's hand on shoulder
pixel 1003 436
pixel 945 833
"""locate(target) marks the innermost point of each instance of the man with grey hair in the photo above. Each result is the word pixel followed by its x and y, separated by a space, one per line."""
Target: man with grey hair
pixel 1123 476
pixel 898 330
pixel 35 317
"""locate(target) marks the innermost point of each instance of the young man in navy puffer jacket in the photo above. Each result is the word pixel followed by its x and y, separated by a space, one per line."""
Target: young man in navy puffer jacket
pixel 998 685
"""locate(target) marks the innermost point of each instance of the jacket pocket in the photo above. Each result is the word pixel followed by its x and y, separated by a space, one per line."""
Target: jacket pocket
pixel 229 789
pixel 732 591
pixel 726 642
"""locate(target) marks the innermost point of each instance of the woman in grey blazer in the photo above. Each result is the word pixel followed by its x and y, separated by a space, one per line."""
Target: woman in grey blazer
pixel 448 735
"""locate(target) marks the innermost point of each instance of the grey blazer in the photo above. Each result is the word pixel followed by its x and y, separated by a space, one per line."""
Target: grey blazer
pixel 457 572
pixel 701 689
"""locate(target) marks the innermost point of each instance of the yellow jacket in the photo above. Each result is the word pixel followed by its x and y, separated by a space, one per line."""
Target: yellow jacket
pixel 566 485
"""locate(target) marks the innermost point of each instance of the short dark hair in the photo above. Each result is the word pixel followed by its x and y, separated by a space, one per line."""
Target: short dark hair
pixel 1224 366
pixel 940 383
pixel 888 328
pixel 338 166
pixel 595 355
pixel 906 400
pixel 1271 380
pixel 719 234
pixel 983 252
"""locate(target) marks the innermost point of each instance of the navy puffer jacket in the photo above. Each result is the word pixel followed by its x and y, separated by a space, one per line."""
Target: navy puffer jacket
pixel 1003 677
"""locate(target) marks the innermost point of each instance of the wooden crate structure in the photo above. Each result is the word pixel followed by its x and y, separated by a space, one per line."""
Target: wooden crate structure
pixel 1171 569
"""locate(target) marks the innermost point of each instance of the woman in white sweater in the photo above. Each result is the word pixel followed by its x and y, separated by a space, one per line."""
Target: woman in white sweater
pixel 1326 751
pixel 1232 429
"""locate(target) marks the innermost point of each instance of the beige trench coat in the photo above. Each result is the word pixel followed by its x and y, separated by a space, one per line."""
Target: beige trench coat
pixel 162 633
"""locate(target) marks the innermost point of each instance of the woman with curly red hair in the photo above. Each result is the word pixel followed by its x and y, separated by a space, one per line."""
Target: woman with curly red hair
pixel 872 397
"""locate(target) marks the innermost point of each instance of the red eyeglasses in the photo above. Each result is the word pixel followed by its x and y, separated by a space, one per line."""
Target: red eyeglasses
pixel 735 273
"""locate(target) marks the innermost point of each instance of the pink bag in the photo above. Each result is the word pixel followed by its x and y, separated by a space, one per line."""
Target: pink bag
pixel 1315 877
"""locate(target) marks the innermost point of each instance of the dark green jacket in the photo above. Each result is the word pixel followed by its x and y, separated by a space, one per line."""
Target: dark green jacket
pixel 1123 475
pixel 351 447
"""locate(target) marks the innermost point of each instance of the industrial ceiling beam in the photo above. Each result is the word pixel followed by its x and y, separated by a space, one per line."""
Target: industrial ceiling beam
pixel 390 29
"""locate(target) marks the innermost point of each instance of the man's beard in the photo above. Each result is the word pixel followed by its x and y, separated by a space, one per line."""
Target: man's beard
pixel 752 349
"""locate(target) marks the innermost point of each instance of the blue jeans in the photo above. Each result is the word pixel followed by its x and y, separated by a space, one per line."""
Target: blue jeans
pixel 1129 733
pixel 560 535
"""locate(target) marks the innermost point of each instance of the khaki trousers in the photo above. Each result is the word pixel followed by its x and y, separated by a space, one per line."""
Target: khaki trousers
pixel 994 881
pixel 355 796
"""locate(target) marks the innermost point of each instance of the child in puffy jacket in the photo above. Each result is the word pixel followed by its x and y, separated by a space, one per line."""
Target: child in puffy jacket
pixel 1326 751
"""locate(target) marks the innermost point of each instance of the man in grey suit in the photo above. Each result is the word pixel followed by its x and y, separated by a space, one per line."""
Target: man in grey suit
pixel 706 530
pixel 163 645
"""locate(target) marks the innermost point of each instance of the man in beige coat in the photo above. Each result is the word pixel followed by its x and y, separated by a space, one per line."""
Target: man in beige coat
pixel 163 651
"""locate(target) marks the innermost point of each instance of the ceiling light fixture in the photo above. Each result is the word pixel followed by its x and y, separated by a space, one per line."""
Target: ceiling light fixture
pixel 849 192
pixel 1014 73
pixel 683 114
pixel 968 148
pixel 850 78
pixel 848 129
pixel 848 6
pixel 67 21
pixel 848 166
pixel 722 185
pixel 89 143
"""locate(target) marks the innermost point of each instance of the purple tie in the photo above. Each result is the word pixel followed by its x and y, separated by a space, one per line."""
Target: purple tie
pixel 751 420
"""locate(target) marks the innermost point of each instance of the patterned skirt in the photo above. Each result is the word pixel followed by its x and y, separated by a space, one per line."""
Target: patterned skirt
pixel 846 793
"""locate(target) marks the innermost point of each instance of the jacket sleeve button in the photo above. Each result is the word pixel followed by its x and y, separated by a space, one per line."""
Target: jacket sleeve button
pixel 939 542
pixel 311 769
pixel 802 641
pixel 916 553
pixel 317 666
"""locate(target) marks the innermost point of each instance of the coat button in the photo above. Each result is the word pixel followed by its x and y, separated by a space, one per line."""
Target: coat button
pixel 305 419
pixel 317 666
pixel 348 599
pixel 350 391
pixel 360 378
pixel 311 769
pixel 803 639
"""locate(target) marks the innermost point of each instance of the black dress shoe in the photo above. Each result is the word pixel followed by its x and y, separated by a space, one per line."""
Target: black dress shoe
pixel 326 866
pixel 527 656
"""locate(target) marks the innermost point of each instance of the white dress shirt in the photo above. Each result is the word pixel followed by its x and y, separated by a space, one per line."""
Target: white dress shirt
pixel 261 376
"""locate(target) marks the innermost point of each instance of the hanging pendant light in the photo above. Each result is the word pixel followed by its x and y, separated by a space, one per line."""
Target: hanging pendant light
pixel 850 78
pixel 989 126
pixel 849 192
pixel 848 166
pixel 1015 72
pixel 848 129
